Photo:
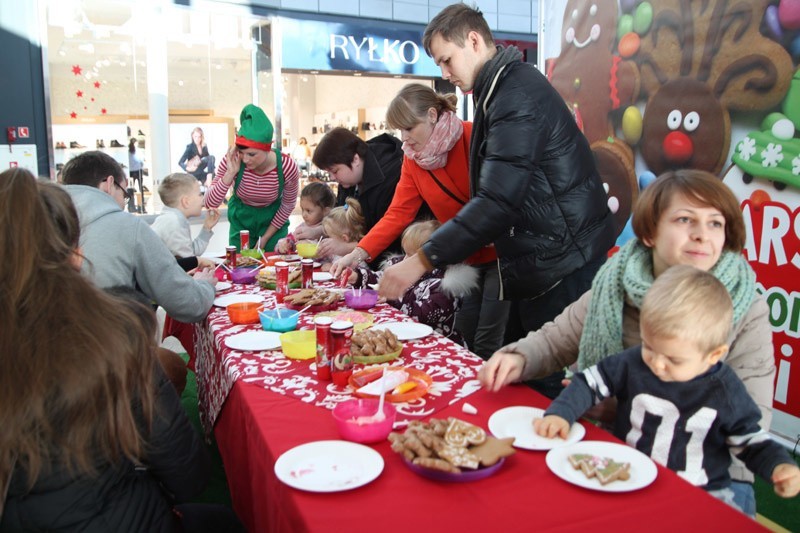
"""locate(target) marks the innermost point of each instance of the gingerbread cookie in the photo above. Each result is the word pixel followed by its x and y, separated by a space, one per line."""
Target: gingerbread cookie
pixel 604 469
pixel 460 433
pixel 493 450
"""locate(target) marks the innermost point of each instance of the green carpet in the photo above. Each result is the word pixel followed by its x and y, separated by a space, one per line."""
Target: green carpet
pixel 783 511
pixel 217 489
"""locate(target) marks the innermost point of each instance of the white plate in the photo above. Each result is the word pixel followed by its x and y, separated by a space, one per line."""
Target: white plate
pixel 228 299
pixel 291 258
pixel 406 331
pixel 643 470
pixel 517 422
pixel 329 466
pixel 254 341
pixel 323 276
pixel 222 286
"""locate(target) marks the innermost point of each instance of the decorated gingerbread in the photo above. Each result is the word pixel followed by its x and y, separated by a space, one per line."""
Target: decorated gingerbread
pixel 594 82
pixel 701 59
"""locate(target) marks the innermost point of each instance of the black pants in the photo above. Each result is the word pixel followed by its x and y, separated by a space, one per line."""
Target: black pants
pixel 207 517
pixel 530 315
pixel 136 175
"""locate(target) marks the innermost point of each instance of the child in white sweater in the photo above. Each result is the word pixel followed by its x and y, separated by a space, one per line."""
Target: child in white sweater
pixel 182 199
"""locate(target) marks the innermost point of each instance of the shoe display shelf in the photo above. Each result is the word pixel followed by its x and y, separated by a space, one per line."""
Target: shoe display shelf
pixel 72 139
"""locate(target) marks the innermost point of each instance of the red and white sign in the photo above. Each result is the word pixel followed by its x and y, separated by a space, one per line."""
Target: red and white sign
pixel 23 132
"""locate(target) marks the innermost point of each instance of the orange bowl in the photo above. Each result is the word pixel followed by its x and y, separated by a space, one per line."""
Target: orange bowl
pixel 244 312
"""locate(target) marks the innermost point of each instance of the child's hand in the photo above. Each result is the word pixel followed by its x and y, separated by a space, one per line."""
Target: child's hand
pixel 352 278
pixel 306 233
pixel 283 246
pixel 786 478
pixel 551 426
pixel 212 217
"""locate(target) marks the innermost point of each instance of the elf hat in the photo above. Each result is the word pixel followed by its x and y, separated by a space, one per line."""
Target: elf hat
pixel 256 129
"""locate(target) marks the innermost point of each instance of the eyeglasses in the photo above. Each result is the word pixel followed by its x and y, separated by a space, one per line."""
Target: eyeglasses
pixel 125 193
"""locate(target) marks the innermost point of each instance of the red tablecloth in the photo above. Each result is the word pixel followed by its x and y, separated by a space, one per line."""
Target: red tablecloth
pixel 256 426
pixel 452 368
pixel 259 417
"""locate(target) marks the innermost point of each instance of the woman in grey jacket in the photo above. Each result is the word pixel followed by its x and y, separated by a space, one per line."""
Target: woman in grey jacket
pixel 685 217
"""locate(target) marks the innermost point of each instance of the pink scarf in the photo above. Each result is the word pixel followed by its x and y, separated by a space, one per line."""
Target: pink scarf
pixel 446 132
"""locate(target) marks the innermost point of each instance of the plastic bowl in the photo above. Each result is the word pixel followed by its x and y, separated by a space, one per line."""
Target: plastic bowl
pixel 346 413
pixel 278 320
pixel 244 312
pixel 299 344
pixel 306 249
pixel 244 275
pixel 360 298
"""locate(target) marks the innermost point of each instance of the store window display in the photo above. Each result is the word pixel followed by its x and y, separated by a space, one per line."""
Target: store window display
pixel 196 160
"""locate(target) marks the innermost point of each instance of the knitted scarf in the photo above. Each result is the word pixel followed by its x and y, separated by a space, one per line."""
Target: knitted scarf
pixel 629 273
pixel 446 133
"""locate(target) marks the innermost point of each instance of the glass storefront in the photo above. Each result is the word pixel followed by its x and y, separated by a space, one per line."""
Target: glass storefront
pixel 121 73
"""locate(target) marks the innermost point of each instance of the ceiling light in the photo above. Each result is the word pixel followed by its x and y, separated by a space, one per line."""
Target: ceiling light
pixel 180 83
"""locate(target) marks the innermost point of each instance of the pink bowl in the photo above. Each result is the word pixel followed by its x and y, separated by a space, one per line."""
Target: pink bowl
pixel 244 275
pixel 360 298
pixel 346 413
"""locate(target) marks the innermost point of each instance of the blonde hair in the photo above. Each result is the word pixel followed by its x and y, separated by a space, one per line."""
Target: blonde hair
pixel 346 220
pixel 174 186
pixel 688 303
pixel 410 106
pixel 418 234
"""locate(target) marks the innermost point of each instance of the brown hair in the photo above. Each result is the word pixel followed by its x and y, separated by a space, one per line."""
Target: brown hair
pixel 338 147
pixel 92 168
pixel 410 106
pixel 418 234
pixel 59 206
pixel 346 220
pixel 687 303
pixel 320 194
pixel 453 23
pixel 174 186
pixel 698 186
pixel 72 360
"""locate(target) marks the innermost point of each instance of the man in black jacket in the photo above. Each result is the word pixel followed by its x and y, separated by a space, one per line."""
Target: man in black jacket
pixel 535 192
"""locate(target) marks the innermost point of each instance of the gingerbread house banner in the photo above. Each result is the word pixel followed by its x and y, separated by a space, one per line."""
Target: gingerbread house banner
pixel 706 84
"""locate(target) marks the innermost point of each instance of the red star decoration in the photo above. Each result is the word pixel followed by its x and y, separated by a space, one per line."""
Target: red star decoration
pixel 92 99
pixel 84 108
pixel 76 69
pixel 73 115
pixel 104 111
pixel 97 85
pixel 79 94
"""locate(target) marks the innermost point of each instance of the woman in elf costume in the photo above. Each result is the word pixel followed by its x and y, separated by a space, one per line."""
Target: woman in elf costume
pixel 685 217
pixel 265 183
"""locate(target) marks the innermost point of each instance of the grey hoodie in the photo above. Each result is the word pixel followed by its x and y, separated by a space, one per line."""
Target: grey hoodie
pixel 121 250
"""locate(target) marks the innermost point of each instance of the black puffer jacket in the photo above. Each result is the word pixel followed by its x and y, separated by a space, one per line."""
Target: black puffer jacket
pixel 535 191
pixel 122 497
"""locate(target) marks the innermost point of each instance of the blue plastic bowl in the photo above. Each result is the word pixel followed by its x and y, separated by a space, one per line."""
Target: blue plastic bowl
pixel 271 321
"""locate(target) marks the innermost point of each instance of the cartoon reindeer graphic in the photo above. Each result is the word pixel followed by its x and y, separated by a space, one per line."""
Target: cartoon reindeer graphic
pixel 700 59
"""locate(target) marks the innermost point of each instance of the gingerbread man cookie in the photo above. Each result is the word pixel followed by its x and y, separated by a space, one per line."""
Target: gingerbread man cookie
pixel 594 82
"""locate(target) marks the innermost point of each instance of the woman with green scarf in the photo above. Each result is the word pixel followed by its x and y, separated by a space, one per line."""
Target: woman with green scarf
pixel 685 217
pixel 265 183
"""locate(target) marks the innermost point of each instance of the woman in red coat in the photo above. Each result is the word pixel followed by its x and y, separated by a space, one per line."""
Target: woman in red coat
pixel 435 171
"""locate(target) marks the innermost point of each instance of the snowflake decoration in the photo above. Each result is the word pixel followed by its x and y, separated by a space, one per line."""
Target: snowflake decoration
pixel 771 155
pixel 747 148
pixel 796 165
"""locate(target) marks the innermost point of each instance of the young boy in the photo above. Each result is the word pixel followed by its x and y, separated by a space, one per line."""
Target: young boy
pixel 182 199
pixel 677 402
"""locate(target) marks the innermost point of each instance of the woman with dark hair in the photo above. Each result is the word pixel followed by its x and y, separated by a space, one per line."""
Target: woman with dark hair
pixel 94 436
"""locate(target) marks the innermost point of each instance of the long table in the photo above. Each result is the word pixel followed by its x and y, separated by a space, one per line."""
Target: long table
pixel 256 423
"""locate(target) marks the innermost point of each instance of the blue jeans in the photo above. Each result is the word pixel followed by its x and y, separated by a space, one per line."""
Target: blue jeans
pixel 744 496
